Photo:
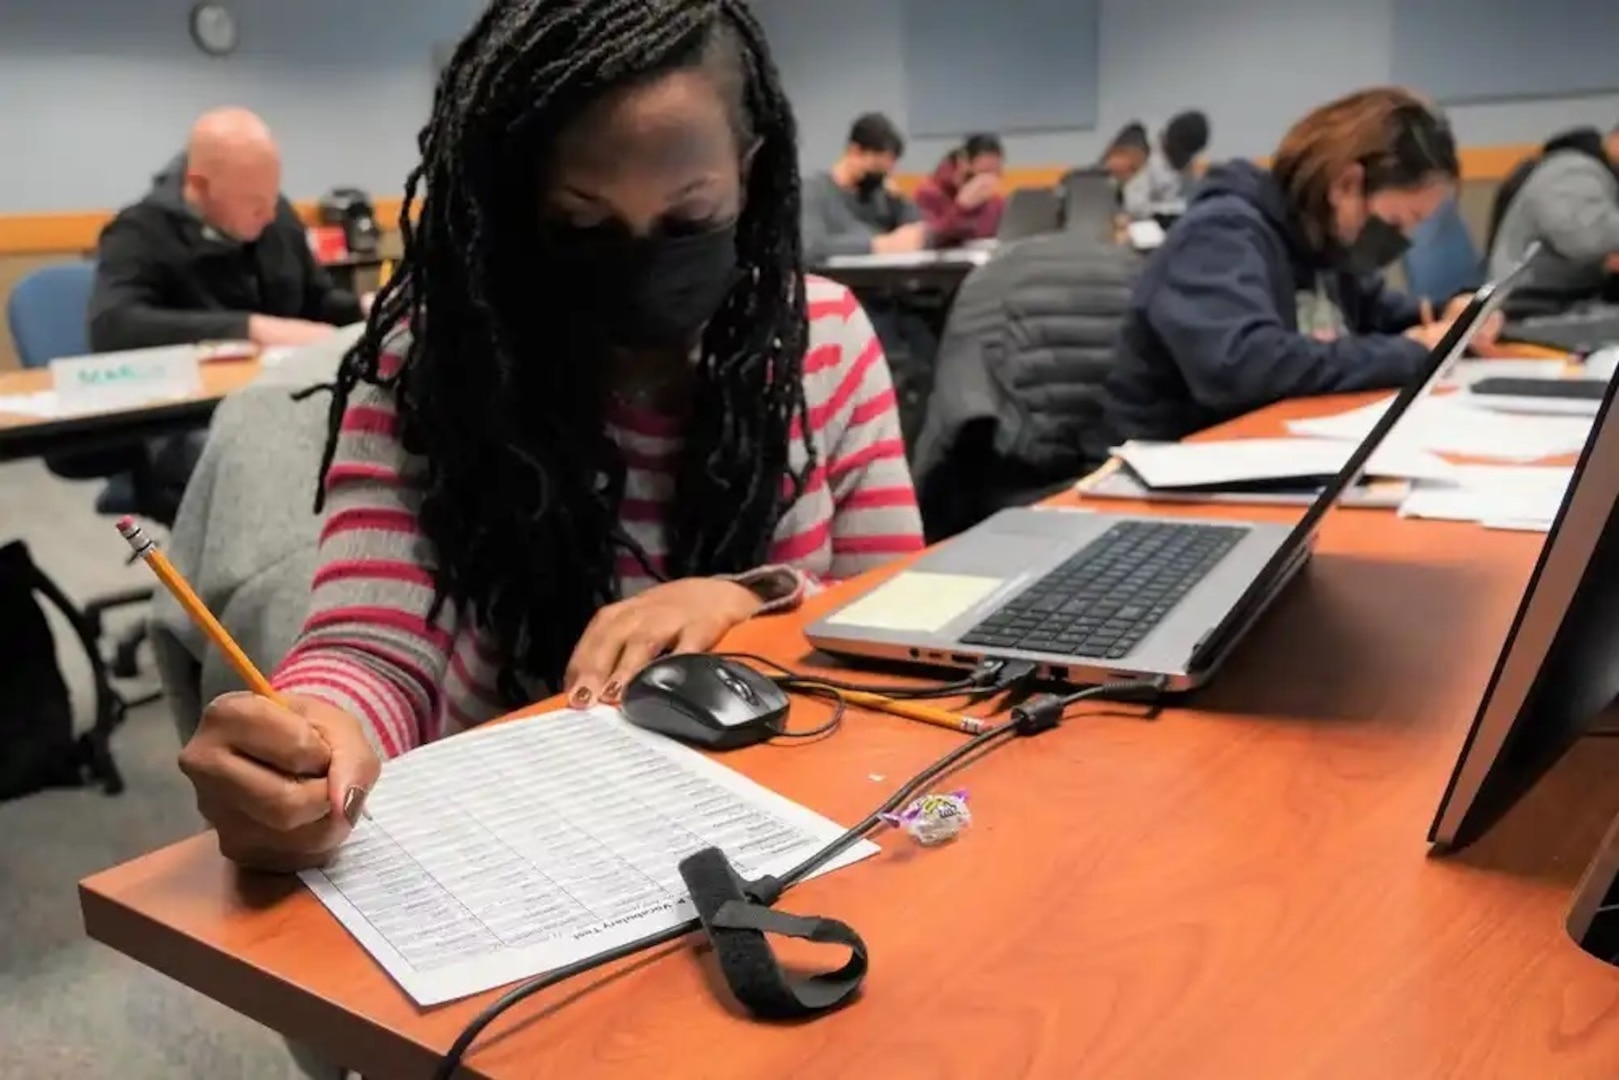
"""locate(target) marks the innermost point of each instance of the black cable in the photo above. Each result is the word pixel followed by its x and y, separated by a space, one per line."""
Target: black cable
pixel 768 890
pixel 991 674
pixel 840 705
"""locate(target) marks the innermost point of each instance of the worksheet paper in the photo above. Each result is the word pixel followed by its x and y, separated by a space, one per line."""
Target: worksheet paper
pixel 526 846
pixel 1444 425
pixel 1496 496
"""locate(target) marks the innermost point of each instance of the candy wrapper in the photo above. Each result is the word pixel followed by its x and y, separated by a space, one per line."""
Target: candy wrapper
pixel 933 819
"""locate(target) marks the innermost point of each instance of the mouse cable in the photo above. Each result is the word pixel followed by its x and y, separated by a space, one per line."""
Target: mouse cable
pixel 767 890
pixel 840 706
pixel 991 676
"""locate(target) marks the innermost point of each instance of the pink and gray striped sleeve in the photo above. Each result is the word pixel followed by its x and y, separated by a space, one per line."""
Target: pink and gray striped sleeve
pixel 875 516
pixel 367 646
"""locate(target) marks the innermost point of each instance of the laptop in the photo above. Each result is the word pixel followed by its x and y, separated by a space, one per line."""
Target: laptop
pixel 1030 212
pixel 1092 597
pixel 1581 330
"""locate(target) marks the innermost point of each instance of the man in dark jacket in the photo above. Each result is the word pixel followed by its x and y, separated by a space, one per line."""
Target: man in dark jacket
pixel 214 252
pixel 1237 309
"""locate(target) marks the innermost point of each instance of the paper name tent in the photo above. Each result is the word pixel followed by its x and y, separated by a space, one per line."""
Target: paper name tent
pixel 526 846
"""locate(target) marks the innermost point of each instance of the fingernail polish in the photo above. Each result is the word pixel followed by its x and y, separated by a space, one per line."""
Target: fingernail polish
pixel 354 805
pixel 610 692
pixel 581 697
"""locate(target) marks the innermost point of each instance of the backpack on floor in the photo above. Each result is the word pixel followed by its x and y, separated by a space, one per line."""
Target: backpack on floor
pixel 38 747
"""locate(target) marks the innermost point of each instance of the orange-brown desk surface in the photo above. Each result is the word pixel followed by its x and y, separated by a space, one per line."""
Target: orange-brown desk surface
pixel 28 436
pixel 1238 888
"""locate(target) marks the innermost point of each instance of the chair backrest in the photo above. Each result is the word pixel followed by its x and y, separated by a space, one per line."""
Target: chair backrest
pixel 1443 260
pixel 48 312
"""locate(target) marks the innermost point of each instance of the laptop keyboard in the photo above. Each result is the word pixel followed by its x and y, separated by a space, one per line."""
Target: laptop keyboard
pixel 1101 602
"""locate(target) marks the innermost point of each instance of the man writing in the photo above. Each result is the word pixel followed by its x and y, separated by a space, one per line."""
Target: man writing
pixel 851 210
pixel 214 252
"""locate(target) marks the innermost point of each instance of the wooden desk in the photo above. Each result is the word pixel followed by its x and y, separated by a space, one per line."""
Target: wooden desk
pixel 1238 888
pixel 24 436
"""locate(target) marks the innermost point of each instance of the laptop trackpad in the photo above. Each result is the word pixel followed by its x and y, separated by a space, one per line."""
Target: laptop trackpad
pixel 947 584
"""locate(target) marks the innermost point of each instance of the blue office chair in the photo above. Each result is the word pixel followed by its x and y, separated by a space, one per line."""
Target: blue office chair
pixel 48 314
pixel 1443 260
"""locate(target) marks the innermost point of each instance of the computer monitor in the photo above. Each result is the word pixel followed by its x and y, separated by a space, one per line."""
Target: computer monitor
pixel 1559 666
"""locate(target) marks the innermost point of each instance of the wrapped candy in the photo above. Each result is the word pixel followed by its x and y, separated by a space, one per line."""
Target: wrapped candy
pixel 933 819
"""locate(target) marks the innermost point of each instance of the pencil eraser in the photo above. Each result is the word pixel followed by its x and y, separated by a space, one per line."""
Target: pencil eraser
pixel 126 525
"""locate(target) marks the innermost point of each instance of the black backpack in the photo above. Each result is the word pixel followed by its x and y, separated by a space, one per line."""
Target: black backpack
pixel 38 747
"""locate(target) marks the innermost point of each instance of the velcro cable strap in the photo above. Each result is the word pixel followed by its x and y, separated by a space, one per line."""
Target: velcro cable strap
pixel 737 925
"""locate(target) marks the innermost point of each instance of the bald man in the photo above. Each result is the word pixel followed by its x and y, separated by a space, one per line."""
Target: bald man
pixel 214 252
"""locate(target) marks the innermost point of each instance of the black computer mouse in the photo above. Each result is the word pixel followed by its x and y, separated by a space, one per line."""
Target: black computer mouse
pixel 707 701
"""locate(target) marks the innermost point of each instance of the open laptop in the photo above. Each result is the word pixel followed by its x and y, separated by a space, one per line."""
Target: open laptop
pixel 1092 597
pixel 1030 212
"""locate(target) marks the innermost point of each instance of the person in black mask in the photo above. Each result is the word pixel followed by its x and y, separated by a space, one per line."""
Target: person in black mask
pixel 1270 286
pixel 852 209
pixel 598 413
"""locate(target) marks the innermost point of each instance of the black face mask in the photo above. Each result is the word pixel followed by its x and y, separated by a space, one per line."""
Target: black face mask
pixel 653 292
pixel 1378 245
pixel 871 183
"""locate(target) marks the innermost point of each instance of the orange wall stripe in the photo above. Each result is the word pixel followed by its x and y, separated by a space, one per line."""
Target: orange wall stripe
pixel 71 233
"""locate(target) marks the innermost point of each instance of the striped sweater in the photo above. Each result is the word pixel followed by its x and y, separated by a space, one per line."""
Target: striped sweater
pixel 367 646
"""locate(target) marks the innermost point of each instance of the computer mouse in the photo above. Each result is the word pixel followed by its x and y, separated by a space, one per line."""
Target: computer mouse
pixel 705 700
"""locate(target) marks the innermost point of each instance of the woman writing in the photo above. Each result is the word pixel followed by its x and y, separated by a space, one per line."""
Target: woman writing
pixel 599 412
pixel 1270 286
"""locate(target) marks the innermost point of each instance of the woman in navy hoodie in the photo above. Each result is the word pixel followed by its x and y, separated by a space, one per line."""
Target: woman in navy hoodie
pixel 1270 286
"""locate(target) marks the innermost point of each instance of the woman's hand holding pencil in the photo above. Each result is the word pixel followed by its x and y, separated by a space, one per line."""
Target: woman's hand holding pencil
pixel 282 784
pixel 283 780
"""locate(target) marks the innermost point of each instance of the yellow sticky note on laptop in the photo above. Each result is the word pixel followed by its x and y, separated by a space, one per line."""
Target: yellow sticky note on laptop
pixel 918 601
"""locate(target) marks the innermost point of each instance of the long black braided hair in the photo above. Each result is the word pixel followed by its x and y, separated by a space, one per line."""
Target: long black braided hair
pixel 501 402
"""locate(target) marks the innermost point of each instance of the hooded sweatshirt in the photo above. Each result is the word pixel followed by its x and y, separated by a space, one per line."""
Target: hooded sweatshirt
pixel 1236 310
pixel 948 222
pixel 1569 201
pixel 165 277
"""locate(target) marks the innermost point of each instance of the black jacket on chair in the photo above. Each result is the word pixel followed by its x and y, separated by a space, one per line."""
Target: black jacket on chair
pixel 164 277
pixel 1028 343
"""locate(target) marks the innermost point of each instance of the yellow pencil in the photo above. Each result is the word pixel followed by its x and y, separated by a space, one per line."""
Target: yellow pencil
pixel 148 550
pixel 916 710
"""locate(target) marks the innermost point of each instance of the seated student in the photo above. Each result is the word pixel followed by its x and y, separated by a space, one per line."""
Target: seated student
pixel 1126 155
pixel 1171 173
pixel 962 200
pixel 1269 287
pixel 677 432
pixel 214 252
pixel 851 209
pixel 1568 200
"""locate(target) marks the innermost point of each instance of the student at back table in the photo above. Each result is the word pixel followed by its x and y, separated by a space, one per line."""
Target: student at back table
pixel 962 200
pixel 214 252
pixel 677 432
pixel 852 208
pixel 1567 200
pixel 1270 287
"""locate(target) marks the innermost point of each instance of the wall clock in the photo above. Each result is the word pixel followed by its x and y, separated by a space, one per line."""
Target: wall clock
pixel 213 28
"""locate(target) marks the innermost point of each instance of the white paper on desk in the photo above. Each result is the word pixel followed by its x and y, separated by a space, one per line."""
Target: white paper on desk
pixel 40 403
pixel 522 847
pixel 1517 497
pixel 1231 462
pixel 1446 425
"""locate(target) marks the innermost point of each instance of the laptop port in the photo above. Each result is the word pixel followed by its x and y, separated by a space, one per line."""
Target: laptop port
pixel 963 658
pixel 1057 672
pixel 916 654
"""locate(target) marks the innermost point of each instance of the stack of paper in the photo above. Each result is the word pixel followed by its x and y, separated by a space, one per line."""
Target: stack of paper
pixel 1444 425
pixel 1502 497
pixel 526 846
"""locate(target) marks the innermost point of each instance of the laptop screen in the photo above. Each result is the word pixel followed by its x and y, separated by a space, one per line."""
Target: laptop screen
pixel 1483 304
